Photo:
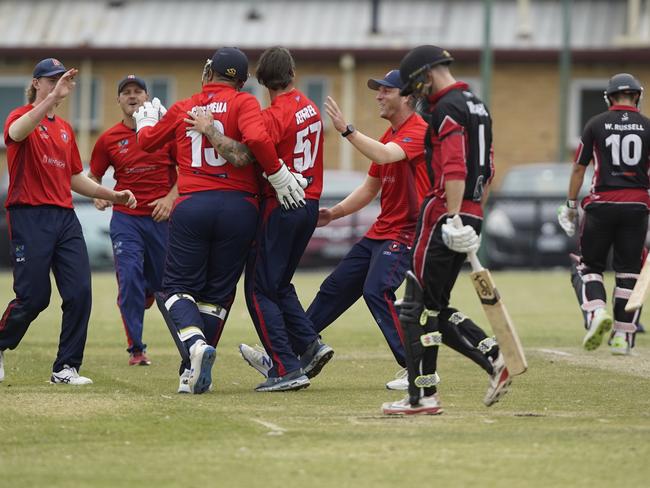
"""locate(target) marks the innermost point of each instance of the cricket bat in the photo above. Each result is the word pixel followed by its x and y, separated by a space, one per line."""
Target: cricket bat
pixel 497 315
pixel 640 291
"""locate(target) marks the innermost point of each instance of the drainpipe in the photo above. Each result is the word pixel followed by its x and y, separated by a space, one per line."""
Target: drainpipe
pixel 347 64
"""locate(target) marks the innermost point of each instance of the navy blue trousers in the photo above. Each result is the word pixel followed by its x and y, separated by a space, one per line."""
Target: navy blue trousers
pixel 281 322
pixel 139 247
pixel 43 238
pixel 210 236
pixel 373 269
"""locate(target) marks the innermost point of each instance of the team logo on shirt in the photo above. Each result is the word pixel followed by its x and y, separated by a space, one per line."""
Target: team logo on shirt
pixel 122 146
pixel 407 139
pixel 625 117
pixel 64 136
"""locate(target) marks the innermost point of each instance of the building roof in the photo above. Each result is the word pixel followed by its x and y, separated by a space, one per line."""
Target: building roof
pixel 311 25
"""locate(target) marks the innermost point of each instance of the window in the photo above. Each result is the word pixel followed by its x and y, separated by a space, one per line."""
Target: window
pixel 95 104
pixel 161 87
pixel 12 95
pixel 586 97
pixel 316 89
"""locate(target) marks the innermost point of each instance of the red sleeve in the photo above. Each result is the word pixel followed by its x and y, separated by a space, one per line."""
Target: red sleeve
pixel 13 116
pixel 272 123
pixel 99 161
pixel 153 138
pixel 452 139
pixel 254 134
pixel 373 170
pixel 75 158
pixel 412 141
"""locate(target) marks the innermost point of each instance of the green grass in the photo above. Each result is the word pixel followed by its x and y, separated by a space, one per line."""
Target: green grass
pixel 574 419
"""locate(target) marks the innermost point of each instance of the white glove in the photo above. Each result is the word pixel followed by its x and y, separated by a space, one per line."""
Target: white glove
pixel 287 188
pixel 458 237
pixel 302 181
pixel 568 218
pixel 148 114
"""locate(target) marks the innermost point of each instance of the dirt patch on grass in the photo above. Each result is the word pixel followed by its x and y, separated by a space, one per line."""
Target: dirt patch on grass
pixel 637 364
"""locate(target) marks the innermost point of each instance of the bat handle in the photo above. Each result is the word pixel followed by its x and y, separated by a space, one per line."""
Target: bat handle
pixel 474 262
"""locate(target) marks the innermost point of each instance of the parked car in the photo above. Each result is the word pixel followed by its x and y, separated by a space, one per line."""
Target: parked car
pixel 331 242
pixel 95 226
pixel 521 228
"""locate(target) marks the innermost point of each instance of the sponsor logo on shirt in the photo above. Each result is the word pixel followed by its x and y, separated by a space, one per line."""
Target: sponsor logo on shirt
pixel 388 179
pixel 57 163
pixel 139 169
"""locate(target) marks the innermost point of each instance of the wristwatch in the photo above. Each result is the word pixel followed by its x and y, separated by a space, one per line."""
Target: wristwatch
pixel 572 204
pixel 349 129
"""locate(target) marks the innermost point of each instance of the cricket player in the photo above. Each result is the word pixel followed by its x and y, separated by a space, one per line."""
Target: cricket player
pixel 139 235
pixel 44 166
pixel 375 266
pixel 214 218
pixel 459 159
pixel 615 211
pixel 295 126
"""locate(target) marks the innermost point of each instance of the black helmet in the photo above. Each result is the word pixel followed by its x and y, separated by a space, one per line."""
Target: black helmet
pixel 415 64
pixel 231 63
pixel 622 82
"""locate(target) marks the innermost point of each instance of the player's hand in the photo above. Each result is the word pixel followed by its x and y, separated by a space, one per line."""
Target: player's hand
pixel 567 218
pixel 335 115
pixel 162 208
pixel 148 114
pixel 325 216
pixel 302 181
pixel 287 189
pixel 458 237
pixel 65 84
pixel 199 120
pixel 126 198
pixel 101 204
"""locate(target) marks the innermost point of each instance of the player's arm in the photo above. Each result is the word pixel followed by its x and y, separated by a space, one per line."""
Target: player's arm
pixel 355 201
pixel 89 188
pixel 99 161
pixel 233 151
pixel 161 129
pixel 452 152
pixel 374 150
pixel 26 123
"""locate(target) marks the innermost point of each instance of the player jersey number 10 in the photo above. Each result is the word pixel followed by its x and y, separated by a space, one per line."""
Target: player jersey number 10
pixel 628 148
pixel 305 157
pixel 199 153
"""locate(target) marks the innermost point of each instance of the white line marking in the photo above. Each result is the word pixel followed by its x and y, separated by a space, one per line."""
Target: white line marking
pixel 275 429
pixel 556 352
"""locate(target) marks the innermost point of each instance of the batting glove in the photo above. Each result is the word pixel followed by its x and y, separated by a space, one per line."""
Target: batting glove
pixel 302 181
pixel 567 216
pixel 458 237
pixel 287 188
pixel 148 114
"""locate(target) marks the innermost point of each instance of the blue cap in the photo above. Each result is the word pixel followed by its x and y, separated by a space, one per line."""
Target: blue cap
pixel 49 67
pixel 231 63
pixel 391 80
pixel 131 79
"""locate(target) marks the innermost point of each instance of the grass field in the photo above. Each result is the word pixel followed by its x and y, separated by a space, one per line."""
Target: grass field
pixel 576 419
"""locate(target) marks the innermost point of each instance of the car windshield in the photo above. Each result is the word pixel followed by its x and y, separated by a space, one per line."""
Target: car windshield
pixel 540 180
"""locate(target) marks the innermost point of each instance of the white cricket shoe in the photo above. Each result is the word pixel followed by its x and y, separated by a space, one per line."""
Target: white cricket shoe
pixel 202 358
pixel 184 382
pixel 2 365
pixel 429 405
pixel 69 376
pixel 401 381
pixel 601 324
pixel 257 358
pixel 500 381
pixel 619 345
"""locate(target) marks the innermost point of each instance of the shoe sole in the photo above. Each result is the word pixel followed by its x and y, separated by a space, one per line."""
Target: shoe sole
pixel 319 363
pixel 593 341
pixel 401 387
pixel 413 411
pixel 499 394
pixel 204 380
pixel 291 386
pixel 252 365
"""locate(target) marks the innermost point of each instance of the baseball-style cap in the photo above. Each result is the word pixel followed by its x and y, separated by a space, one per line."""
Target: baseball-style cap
pixel 49 67
pixel 131 79
pixel 391 80
pixel 231 63
pixel 417 61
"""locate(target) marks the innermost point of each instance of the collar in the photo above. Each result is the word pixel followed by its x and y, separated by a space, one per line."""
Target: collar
pixel 459 85
pixel 627 108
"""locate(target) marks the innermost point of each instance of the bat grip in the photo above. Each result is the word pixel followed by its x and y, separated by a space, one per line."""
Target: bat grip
pixel 474 262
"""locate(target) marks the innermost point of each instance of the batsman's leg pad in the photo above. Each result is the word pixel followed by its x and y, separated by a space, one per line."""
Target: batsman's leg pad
pixel 214 318
pixel 592 292
pixel 462 335
pixel 422 340
pixel 625 321
pixel 576 283
pixel 185 314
